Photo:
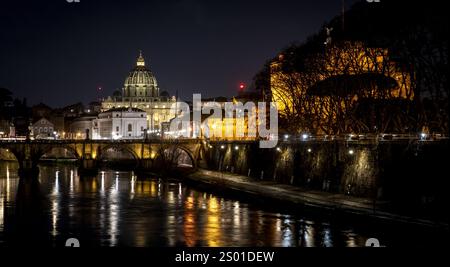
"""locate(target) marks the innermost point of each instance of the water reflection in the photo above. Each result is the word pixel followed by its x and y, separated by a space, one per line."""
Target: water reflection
pixel 23 199
pixel 118 209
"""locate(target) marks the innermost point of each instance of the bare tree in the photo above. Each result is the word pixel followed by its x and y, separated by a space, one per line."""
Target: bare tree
pixel 337 85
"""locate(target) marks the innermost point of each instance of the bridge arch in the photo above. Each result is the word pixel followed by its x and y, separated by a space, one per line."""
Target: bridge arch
pixel 50 148
pixel 91 152
pixel 7 154
pixel 178 153
pixel 120 147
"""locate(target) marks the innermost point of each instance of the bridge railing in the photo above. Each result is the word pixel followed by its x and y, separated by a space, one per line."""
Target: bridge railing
pixel 281 138
pixel 120 141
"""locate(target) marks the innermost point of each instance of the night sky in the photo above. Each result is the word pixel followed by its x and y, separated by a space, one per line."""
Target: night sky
pixel 59 53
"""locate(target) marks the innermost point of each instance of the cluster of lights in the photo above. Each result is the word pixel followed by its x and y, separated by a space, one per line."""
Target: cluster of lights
pixel 423 136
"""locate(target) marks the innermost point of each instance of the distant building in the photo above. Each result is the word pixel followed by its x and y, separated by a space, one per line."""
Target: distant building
pixel 81 127
pixel 220 128
pixel 120 123
pixel 20 127
pixel 73 111
pixel 42 128
pixel 58 120
pixel 141 91
pixel 4 128
pixel 94 108
pixel 6 112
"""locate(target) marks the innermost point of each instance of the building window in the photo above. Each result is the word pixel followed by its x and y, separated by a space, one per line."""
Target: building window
pixel 130 127
pixel 142 128
pixel 117 128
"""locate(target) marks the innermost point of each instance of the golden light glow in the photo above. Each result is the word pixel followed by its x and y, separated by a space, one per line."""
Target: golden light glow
pixel 352 58
pixel 153 189
pixel 189 229
pixel 213 232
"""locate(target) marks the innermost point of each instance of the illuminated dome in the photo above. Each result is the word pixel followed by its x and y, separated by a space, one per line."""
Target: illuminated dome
pixel 140 83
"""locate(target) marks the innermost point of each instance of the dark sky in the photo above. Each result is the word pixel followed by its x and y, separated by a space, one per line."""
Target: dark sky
pixel 58 53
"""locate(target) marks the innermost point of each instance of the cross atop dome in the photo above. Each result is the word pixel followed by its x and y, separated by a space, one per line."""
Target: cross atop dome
pixel 140 60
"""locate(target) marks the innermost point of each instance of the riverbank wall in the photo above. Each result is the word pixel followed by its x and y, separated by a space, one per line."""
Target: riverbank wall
pixel 410 175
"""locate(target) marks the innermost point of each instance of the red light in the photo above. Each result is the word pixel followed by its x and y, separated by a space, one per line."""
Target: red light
pixel 241 86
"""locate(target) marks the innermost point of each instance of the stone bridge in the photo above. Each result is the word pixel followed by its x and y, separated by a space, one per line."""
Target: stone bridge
pixel 147 153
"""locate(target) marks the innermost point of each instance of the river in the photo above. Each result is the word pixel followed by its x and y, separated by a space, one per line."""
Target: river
pixel 117 209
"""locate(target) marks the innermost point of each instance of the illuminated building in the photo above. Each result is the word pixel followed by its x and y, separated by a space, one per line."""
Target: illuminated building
pixel 141 91
pixel 80 127
pixel 42 128
pixel 336 81
pixel 120 123
pixel 226 128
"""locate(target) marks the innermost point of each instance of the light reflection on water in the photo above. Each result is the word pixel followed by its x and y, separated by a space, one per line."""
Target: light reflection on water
pixel 117 209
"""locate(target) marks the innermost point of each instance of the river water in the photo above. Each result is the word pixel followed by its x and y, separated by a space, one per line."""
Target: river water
pixel 117 209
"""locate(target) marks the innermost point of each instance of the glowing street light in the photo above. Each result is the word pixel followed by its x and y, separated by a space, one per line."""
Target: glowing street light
pixel 351 152
pixel 236 148
pixel 309 150
pixel 304 136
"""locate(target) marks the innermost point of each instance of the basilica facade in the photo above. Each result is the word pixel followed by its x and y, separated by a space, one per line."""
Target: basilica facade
pixel 141 91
